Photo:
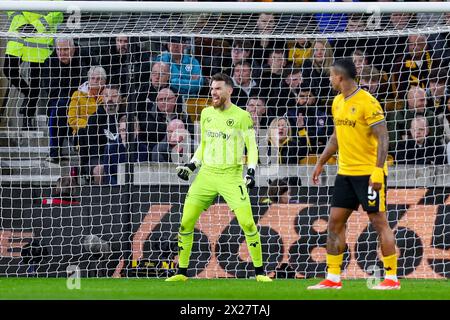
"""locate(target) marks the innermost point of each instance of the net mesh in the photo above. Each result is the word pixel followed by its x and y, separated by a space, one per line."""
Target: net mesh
pixel 95 120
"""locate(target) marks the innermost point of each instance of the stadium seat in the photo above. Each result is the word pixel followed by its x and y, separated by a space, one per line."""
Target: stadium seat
pixel 194 107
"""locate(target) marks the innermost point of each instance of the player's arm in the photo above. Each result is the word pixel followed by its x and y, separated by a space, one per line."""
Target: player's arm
pixel 185 171
pixel 252 151
pixel 374 116
pixel 330 150
pixel 380 131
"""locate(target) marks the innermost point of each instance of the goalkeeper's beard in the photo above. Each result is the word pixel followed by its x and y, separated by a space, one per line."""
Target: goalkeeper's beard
pixel 221 104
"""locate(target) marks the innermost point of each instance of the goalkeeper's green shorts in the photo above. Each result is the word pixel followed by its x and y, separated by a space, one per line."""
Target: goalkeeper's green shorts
pixel 207 185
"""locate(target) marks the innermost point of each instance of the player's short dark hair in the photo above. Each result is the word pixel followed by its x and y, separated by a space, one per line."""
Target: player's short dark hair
pixel 346 67
pixel 222 77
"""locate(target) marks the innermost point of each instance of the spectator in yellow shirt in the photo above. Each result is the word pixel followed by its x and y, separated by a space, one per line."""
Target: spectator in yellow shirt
pixel 300 51
pixel 85 100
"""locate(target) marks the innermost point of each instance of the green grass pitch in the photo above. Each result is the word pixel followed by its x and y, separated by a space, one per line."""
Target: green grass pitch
pixel 211 289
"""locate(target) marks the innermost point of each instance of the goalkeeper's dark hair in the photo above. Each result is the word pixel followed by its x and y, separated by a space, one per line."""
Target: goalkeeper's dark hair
pixel 346 67
pixel 222 77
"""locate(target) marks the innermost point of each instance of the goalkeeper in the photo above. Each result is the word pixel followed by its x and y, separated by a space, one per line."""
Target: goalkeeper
pixel 225 130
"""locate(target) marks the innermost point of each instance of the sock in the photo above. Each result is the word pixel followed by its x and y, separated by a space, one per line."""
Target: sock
pixel 191 213
pixel 182 271
pixel 259 271
pixel 390 267
pixel 254 248
pixel 245 217
pixel 334 263
pixel 184 248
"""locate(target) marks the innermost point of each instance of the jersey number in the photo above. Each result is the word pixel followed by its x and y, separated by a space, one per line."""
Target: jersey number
pixel 371 194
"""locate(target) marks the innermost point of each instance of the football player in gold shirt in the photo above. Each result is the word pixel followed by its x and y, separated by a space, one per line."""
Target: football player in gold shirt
pixel 361 139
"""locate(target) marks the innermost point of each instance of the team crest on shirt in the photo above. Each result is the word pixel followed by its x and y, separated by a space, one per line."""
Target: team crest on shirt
pixel 353 110
pixel 230 122
pixel 188 67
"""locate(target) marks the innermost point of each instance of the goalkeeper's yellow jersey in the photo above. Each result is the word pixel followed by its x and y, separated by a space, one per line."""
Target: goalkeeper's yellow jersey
pixel 353 118
pixel 224 134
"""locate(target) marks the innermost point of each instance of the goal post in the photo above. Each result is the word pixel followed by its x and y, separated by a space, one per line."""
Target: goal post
pixel 103 100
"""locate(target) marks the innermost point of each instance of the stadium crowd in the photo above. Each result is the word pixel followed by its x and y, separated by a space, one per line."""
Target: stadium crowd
pixel 115 96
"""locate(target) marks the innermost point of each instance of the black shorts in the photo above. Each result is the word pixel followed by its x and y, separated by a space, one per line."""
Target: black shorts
pixel 352 191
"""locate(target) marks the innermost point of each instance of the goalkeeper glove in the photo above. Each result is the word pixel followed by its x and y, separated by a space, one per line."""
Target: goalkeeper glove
pixel 185 171
pixel 250 178
pixel 377 175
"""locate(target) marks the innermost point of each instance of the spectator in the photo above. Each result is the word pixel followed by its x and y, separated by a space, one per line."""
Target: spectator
pixel 414 67
pixel 271 78
pixel 312 120
pixel 62 74
pixel 265 24
pixel 118 150
pixel 360 60
pixel 177 145
pixel 116 59
pixel 257 108
pixel 385 59
pixel 283 148
pixel 316 71
pixel 300 51
pixel 416 106
pixel 212 54
pixel 419 148
pixel 101 127
pixel 439 44
pixel 242 51
pixel 34 50
pixel 290 87
pixel 185 71
pixel 375 82
pixel 243 83
pixel 438 92
pixel 344 47
pixel 85 100
pixel 159 79
pixel 153 121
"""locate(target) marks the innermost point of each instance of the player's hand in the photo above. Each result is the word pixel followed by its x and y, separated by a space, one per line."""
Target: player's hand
pixel 250 178
pixel 376 179
pixel 316 173
pixel 185 171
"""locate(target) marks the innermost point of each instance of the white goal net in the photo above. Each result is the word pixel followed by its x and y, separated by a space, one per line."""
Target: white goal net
pixel 100 101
